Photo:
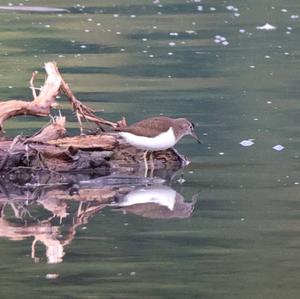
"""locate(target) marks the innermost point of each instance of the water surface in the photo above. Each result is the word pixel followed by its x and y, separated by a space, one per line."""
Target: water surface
pixel 203 60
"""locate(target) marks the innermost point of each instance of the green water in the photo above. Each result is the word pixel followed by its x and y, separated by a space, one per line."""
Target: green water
pixel 143 58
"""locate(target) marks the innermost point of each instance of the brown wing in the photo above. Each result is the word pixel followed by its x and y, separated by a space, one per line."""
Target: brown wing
pixel 149 127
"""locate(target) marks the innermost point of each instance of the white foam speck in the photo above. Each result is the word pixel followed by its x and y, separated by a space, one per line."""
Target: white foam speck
pixel 247 142
pixel 191 32
pixel 229 7
pixel 232 8
pixel 278 147
pixel 200 8
pixel 267 27
pixel 221 39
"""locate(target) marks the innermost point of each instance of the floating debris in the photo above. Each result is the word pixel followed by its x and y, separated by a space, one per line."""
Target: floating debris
pixel 247 142
pixel 191 32
pixel 267 27
pixel 33 9
pixel 219 39
pixel 231 8
pixel 278 147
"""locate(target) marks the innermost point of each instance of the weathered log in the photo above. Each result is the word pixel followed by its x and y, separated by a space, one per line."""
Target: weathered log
pixel 95 154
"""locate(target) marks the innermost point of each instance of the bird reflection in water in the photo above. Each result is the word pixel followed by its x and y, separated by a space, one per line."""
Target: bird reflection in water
pixel 18 221
pixel 156 202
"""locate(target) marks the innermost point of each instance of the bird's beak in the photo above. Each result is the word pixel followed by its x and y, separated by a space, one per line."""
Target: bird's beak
pixel 193 134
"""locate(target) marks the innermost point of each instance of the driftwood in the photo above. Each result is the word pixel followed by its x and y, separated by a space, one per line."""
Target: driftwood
pixel 41 104
pixel 50 149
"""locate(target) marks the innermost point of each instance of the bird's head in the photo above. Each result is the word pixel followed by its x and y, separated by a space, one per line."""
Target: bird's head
pixel 185 127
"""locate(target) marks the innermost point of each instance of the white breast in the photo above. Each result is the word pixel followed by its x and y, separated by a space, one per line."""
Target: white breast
pixel 163 196
pixel 163 141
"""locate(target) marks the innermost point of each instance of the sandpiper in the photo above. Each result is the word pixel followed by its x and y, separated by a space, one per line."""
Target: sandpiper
pixel 157 133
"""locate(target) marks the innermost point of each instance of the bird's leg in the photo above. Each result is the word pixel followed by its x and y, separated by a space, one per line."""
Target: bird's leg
pixel 151 164
pixel 145 162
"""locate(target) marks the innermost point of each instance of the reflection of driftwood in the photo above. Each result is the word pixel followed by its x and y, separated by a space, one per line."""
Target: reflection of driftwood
pixel 27 221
